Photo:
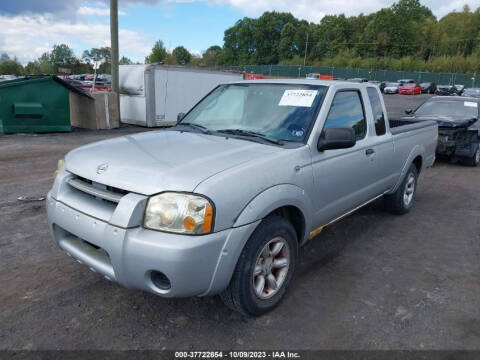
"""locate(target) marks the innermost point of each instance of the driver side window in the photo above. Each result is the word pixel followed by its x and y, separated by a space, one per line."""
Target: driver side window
pixel 347 110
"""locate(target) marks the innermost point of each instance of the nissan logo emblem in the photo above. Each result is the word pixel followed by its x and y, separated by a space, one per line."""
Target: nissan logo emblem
pixel 102 168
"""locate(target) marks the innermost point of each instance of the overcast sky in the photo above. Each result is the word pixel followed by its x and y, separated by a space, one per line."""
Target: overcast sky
pixel 30 27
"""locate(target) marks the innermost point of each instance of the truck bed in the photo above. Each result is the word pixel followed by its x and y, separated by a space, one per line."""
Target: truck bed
pixel 398 126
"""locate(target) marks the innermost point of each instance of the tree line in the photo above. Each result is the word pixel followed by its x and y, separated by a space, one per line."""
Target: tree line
pixel 405 36
pixel 61 56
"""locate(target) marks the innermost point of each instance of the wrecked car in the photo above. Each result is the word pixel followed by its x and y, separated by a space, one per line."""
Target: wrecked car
pixel 458 126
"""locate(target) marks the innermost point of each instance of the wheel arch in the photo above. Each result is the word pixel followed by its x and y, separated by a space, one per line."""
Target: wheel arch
pixel 286 200
pixel 416 158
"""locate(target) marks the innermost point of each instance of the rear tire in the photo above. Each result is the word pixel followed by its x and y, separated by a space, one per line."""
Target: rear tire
pixel 264 269
pixel 474 160
pixel 401 201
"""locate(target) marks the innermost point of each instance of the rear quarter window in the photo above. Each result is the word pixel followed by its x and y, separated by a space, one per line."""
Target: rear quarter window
pixel 377 110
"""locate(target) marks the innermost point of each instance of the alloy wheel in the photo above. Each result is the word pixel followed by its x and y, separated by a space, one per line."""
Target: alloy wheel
pixel 271 268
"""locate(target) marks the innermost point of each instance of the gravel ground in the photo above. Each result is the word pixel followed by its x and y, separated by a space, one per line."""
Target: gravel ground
pixel 371 281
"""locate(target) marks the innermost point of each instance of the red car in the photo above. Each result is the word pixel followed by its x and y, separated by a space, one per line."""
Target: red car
pixel 248 76
pixel 410 89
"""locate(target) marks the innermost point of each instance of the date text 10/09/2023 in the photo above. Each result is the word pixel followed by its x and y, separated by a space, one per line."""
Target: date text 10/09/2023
pixel 237 355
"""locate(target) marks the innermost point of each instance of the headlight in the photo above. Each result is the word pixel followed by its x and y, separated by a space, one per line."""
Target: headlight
pixel 60 167
pixel 179 213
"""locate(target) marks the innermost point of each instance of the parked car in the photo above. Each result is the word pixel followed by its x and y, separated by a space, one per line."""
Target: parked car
pixel 380 84
pixel 102 86
pixel 428 87
pixel 410 89
pixel 358 80
pixel 7 77
pixel 76 83
pixel 459 89
pixel 445 90
pixel 249 76
pixel 471 92
pixel 458 126
pixel 221 202
pixel 405 81
pixel 313 76
pixel 99 86
pixel 391 88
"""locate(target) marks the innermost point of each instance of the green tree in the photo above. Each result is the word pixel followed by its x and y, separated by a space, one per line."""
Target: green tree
pixel 45 66
pixel 287 47
pixel 212 56
pixel 33 68
pixel 125 61
pixel 61 56
pixel 96 54
pixel 267 33
pixel 10 66
pixel 181 55
pixel 239 45
pixel 158 54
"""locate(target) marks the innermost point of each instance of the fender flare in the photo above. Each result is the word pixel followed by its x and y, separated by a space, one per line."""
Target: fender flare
pixel 418 150
pixel 273 198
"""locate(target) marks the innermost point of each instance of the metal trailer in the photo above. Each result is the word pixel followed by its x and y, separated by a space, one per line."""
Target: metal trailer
pixel 153 95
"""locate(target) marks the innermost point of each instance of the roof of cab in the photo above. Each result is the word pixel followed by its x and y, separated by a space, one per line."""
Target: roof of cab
pixel 300 82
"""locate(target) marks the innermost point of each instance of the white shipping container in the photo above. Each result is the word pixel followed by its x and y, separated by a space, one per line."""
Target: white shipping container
pixel 153 95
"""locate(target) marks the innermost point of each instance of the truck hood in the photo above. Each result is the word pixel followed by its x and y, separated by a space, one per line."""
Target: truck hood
pixel 446 121
pixel 152 162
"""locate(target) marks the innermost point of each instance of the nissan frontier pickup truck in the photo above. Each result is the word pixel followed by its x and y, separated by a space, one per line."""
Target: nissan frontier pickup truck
pixel 221 202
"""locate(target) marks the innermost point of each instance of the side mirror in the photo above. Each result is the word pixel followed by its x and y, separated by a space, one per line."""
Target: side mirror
pixel 341 137
pixel 180 116
pixel 408 111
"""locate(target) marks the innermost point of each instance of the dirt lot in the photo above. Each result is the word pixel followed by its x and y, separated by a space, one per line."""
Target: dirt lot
pixel 372 281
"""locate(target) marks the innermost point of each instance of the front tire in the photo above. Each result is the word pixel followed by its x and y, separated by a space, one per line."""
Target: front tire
pixel 264 269
pixel 475 159
pixel 401 201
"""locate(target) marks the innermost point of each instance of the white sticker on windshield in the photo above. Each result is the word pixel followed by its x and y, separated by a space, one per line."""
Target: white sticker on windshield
pixel 470 104
pixel 299 97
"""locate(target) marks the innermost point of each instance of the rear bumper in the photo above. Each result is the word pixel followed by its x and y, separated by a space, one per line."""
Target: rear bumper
pixel 194 265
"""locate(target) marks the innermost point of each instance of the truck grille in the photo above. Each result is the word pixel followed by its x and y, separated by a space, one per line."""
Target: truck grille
pixel 97 190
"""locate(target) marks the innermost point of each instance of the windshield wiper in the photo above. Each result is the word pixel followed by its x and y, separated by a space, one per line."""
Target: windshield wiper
pixel 202 128
pixel 250 134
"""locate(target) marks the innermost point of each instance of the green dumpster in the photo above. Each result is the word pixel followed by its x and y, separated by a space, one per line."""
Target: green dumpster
pixel 35 104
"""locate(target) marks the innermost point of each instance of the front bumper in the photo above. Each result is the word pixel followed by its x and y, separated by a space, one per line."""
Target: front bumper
pixel 194 265
pixel 456 142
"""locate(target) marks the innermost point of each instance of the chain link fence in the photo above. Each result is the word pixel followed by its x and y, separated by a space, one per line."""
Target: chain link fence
pixel 469 80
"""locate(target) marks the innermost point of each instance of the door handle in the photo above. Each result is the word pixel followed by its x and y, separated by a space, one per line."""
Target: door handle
pixel 369 152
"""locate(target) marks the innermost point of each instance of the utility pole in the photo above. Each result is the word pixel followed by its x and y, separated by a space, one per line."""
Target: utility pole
pixel 114 44
pixel 306 46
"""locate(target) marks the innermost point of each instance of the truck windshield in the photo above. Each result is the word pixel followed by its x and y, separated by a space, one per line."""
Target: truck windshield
pixel 449 108
pixel 277 111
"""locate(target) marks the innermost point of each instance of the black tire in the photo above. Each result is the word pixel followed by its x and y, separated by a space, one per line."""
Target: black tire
pixel 475 159
pixel 396 203
pixel 240 294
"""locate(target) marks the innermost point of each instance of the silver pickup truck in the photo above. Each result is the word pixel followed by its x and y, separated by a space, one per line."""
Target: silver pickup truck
pixel 220 203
